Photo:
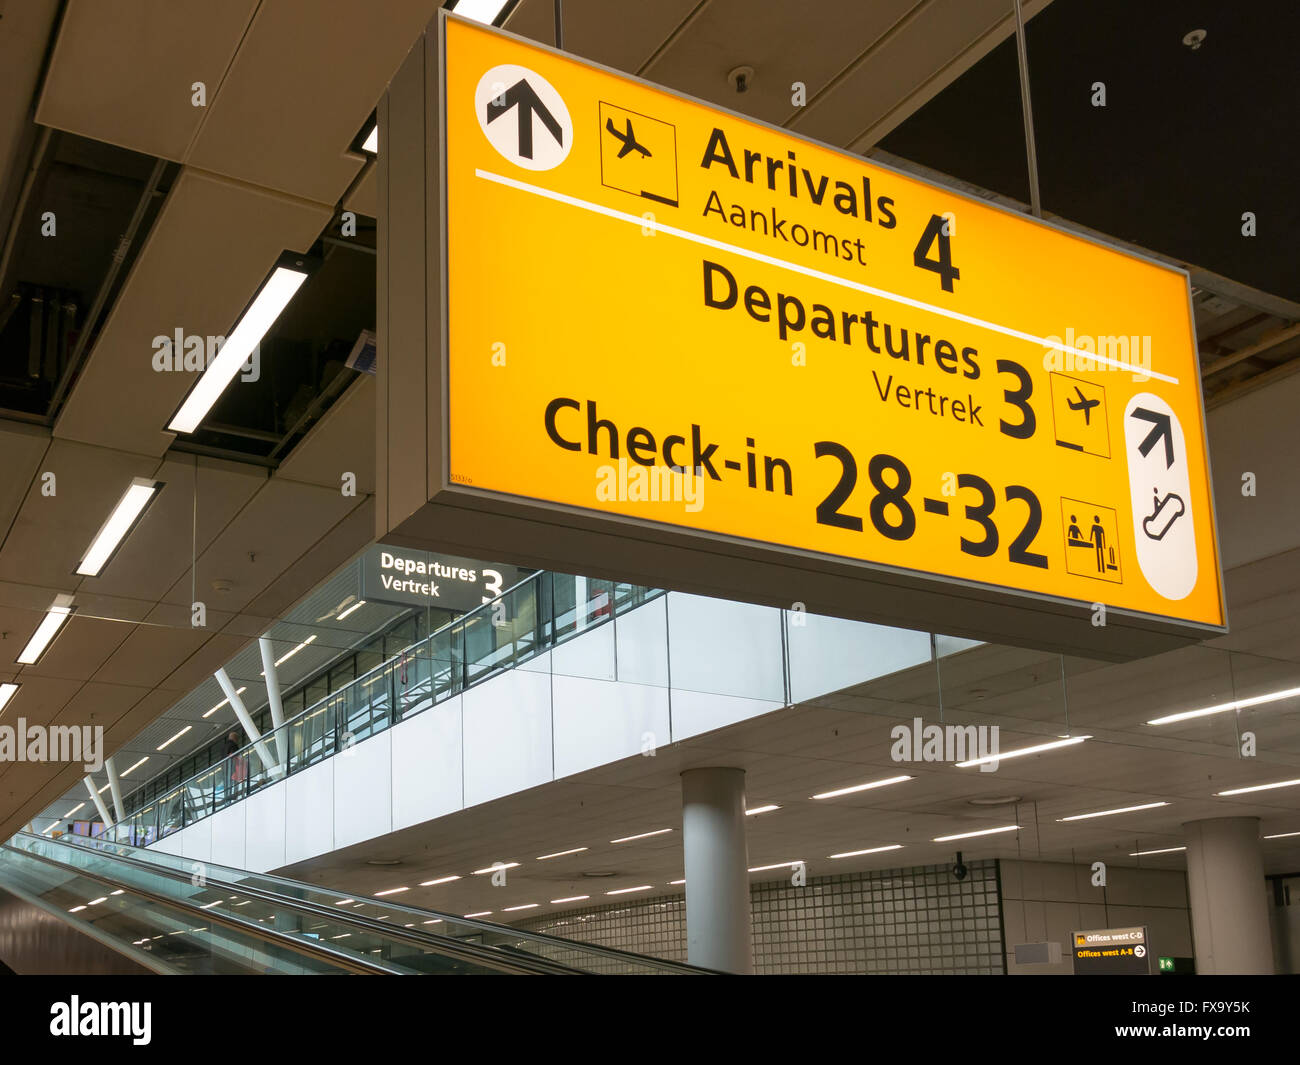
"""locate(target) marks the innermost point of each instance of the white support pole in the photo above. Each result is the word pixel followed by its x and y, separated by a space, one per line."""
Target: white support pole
pixel 716 865
pixel 241 712
pixel 115 788
pixel 1228 897
pixel 99 803
pixel 273 697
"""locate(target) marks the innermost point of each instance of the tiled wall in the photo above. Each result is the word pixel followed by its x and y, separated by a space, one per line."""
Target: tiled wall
pixel 1046 901
pixel 918 920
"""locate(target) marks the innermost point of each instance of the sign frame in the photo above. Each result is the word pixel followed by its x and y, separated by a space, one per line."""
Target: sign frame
pixel 529 531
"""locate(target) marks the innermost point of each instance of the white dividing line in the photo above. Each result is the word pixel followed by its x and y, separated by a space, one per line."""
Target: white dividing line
pixel 771 260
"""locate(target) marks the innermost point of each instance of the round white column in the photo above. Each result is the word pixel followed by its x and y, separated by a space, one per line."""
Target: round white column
pixel 717 869
pixel 1228 895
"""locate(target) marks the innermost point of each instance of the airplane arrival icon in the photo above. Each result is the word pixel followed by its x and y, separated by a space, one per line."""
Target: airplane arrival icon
pixel 638 154
pixel 628 138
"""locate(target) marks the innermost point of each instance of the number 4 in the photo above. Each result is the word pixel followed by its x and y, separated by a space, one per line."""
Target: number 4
pixel 937 230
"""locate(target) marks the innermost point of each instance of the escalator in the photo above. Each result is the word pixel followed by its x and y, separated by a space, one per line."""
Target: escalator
pixel 177 916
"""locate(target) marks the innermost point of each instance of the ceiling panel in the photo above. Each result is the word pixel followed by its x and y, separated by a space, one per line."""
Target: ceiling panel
pixel 51 533
pixel 81 647
pixel 775 40
pixel 122 70
pixel 343 441
pixel 308 74
pixel 22 446
pixel 158 552
pixel 923 54
pixel 148 657
pixel 272 532
pixel 622 36
pixel 212 246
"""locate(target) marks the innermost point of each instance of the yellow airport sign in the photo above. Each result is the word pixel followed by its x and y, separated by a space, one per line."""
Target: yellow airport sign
pixel 664 313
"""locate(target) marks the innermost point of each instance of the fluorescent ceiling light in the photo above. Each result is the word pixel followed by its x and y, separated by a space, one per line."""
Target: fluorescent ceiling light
pixel 289 654
pixel 481 913
pixel 73 810
pixel 484 11
pixel 1239 704
pixel 391 891
pixel 869 850
pixel 76 909
pixel 104 788
pixel 641 835
pixel 46 631
pixel 211 904
pixel 1068 741
pixel 371 143
pixel 259 317
pixel 778 865
pixel 1259 787
pixel 119 523
pixel 345 902
pixel 96 902
pixel 861 787
pixel 176 737
pixel 137 765
pixel 762 809
pixel 675 883
pixel 561 854
pixel 494 867
pixel 626 890
pixel 223 702
pixel 570 898
pixel 1118 810
pixel 1164 850
pixel 7 692
pixel 352 609
pixel 440 880
pixel 971 835
pixel 1282 835
pixel 525 906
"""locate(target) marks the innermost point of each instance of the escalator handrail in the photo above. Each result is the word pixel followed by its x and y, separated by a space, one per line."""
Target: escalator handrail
pixel 555 942
pixel 448 945
pixel 351 962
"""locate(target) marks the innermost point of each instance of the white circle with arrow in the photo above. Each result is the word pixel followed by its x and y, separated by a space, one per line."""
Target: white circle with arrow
pixel 524 117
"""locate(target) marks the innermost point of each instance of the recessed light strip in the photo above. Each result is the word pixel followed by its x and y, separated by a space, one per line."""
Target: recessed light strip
pixel 1037 748
pixel 972 835
pixel 1259 787
pixel 1221 708
pixel 1118 810
pixel 175 738
pixel 259 318
pixel 7 692
pixel 641 835
pixel 46 631
pixel 869 850
pixel 119 523
pixel 861 787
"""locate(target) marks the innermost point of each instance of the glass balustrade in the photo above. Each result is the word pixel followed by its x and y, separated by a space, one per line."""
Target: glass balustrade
pixel 538 614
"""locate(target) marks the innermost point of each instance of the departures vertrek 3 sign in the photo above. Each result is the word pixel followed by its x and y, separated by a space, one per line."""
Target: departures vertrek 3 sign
pixel 853 364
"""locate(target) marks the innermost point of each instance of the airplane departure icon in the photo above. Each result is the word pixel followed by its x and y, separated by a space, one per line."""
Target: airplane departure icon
pixel 1084 404
pixel 629 140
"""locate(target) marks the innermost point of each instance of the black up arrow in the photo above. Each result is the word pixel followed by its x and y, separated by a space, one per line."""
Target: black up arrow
pixel 521 94
pixel 1160 427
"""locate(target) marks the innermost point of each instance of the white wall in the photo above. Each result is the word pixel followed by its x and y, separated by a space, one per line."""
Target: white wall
pixel 1047 901
pixel 600 697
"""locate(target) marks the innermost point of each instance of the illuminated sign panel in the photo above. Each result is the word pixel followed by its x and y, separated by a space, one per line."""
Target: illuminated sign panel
pixel 663 312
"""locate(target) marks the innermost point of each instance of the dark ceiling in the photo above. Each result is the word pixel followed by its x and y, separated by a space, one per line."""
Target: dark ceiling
pixel 1188 141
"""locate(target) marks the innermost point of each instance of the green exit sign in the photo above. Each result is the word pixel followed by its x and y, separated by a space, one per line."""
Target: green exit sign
pixel 1166 965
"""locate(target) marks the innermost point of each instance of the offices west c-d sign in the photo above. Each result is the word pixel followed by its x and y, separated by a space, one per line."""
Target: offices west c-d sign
pixel 685 348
